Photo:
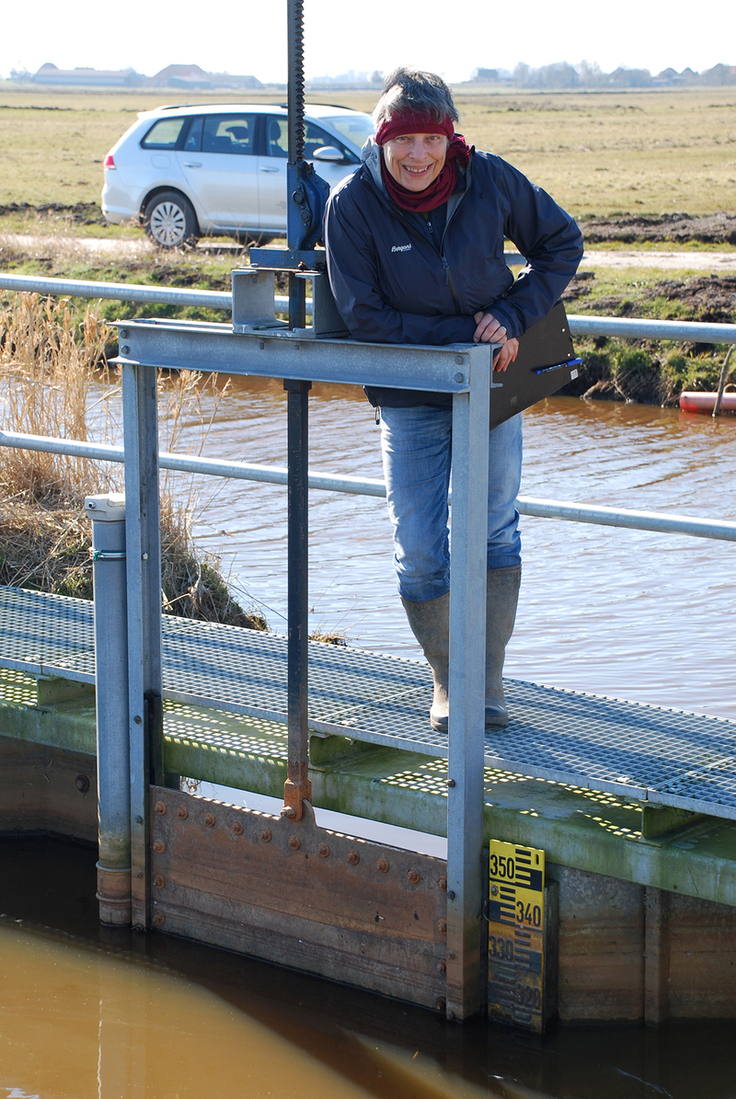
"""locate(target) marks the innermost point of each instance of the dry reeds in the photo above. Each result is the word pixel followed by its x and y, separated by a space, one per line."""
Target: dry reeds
pixel 49 359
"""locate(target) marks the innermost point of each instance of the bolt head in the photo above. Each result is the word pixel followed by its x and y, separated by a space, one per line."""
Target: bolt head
pixel 413 876
pixel 159 919
pixel 382 865
pixel 442 927
pixel 209 820
pixel 323 851
pixel 294 843
pixel 238 827
pixel 158 881
pixel 159 808
pixel 353 858
pixel 266 835
pixel 183 812
pixel 159 846
pixel 442 883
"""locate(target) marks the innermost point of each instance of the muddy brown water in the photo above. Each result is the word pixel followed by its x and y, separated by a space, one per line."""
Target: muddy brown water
pixel 630 614
pixel 86 1014
pixel 89 1015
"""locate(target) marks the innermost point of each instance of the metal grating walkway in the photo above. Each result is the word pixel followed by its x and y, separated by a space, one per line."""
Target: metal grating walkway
pixel 666 756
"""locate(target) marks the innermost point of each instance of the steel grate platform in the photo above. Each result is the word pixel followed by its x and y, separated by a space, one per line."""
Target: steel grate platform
pixel 665 756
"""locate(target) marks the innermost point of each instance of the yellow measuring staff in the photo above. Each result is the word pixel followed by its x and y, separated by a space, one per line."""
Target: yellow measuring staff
pixel 516 933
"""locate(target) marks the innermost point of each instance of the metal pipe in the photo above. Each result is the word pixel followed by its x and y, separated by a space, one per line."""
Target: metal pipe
pixel 117 291
pixel 297 787
pixel 659 522
pixel 107 513
pixel 580 324
pixel 636 329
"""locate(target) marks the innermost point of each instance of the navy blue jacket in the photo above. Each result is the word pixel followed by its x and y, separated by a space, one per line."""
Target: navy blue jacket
pixel 395 281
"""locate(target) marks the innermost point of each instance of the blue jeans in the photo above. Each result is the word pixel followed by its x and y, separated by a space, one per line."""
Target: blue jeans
pixel 417 458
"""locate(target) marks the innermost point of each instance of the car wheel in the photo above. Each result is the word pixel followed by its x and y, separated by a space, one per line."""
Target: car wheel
pixel 170 221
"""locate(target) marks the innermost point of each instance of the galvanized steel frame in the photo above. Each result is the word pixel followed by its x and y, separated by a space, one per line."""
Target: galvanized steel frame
pixel 289 355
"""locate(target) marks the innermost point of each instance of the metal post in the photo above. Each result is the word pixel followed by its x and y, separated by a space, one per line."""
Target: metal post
pixel 297 787
pixel 107 513
pixel 140 422
pixel 467 692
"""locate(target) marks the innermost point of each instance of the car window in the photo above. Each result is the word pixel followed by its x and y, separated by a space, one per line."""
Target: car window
pixel 355 127
pixel 316 138
pixel 164 133
pixel 193 141
pixel 228 134
pixel 277 140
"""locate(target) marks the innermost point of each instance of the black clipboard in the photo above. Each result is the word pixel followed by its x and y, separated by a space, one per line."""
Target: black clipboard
pixel 545 363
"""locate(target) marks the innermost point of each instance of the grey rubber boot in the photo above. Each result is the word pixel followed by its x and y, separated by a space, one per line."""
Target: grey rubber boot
pixel 502 596
pixel 430 624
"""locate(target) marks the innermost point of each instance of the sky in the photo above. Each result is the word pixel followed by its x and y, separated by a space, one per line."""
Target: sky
pixel 340 35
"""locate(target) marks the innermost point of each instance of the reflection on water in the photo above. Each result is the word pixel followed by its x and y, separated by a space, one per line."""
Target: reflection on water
pixel 153 1017
pixel 624 613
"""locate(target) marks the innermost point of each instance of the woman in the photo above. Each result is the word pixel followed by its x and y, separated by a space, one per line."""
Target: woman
pixel 415 242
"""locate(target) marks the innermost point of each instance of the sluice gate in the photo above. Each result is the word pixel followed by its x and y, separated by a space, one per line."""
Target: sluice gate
pixel 633 807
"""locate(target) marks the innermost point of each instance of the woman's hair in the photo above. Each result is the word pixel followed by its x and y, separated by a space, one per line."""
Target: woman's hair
pixel 412 91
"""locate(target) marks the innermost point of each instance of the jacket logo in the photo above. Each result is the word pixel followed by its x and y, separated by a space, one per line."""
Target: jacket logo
pixel 401 248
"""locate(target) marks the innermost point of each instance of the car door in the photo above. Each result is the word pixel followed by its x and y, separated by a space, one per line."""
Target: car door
pixel 219 164
pixel 272 166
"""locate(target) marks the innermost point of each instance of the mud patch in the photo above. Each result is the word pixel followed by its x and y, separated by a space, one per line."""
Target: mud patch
pixel 677 228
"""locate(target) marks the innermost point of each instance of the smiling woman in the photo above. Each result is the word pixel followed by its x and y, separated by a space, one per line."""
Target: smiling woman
pixel 415 248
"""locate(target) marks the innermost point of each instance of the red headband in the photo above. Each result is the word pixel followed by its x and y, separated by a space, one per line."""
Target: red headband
pixel 413 123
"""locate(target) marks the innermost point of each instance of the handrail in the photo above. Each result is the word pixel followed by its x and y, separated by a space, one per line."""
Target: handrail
pixel 630 328
pixel 659 522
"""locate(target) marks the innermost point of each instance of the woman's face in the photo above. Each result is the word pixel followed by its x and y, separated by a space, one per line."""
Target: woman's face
pixel 415 160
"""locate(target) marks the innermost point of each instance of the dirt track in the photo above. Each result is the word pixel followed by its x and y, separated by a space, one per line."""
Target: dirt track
pixel 38 245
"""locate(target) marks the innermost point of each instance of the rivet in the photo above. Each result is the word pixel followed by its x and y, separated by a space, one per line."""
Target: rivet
pixel 442 927
pixel 459 378
pixel 138 719
pixel 442 966
pixel 124 349
pixel 413 876
pixel 159 808
pixel 442 883
pixel 158 881
pixel 209 820
pixel 139 873
pixel 441 1004
pixel 123 333
pixel 353 858
pixel 382 865
pixel 238 827
pixel 82 783
pixel 183 812
pixel 266 835
pixel 159 919
pixel 451 894
pixel 139 820
pixel 323 850
pixel 451 955
pixel 459 360
pixel 159 846
pixel 294 843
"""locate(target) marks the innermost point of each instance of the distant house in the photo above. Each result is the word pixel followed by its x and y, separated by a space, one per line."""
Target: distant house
pixel 123 78
pixel 192 76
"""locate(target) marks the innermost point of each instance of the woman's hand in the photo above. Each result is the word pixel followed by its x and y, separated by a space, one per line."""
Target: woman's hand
pixel 490 330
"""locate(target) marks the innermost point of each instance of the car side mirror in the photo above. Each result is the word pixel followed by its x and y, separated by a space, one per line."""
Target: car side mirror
pixel 328 152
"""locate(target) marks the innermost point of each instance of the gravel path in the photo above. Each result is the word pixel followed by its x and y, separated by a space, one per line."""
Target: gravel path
pixel 712 262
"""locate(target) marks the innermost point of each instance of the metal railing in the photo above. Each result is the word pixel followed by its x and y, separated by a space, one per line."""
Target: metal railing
pixel 659 522
pixel 580 324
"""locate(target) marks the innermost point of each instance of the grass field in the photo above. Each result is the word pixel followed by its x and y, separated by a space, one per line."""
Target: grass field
pixel 598 153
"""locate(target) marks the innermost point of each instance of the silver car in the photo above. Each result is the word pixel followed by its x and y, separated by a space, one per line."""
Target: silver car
pixel 189 171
